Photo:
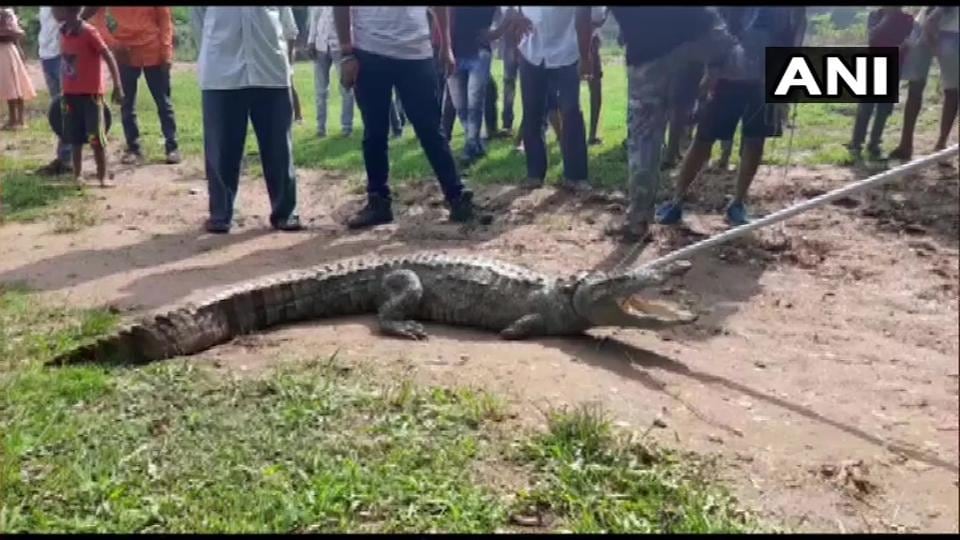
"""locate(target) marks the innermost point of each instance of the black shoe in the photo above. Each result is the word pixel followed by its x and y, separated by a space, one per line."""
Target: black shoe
pixel 291 224
pixel 576 186
pixel 216 227
pixel 532 183
pixel 464 211
pixel 54 168
pixel 376 212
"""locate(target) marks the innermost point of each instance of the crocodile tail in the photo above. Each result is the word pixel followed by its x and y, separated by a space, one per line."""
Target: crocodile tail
pixel 194 328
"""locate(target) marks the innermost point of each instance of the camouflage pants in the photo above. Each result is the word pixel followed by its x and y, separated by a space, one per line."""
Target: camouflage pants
pixel 648 88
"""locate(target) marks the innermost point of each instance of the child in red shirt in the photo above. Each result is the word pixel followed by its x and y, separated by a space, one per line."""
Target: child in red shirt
pixel 81 50
pixel 886 27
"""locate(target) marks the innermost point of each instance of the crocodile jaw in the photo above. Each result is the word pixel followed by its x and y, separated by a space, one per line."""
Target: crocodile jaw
pixel 652 314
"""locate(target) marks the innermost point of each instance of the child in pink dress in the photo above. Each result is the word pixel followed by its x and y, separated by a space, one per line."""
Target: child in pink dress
pixel 15 85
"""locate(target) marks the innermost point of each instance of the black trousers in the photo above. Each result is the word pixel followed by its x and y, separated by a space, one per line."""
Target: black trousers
pixel 415 83
pixel 536 82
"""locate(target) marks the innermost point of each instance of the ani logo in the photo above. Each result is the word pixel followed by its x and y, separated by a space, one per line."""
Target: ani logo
pixel 832 74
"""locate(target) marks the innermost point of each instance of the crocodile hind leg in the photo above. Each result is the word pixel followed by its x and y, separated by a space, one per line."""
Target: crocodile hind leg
pixel 524 327
pixel 403 291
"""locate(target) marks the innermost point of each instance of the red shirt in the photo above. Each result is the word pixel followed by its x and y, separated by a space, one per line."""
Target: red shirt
pixel 80 60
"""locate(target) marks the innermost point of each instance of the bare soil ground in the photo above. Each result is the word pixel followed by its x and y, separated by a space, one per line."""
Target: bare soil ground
pixel 823 372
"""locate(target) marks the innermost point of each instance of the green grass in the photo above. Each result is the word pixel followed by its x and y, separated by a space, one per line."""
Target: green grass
pixel 24 197
pixel 608 483
pixel 315 447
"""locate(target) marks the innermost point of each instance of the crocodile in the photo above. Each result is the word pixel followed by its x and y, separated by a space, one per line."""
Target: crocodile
pixel 460 290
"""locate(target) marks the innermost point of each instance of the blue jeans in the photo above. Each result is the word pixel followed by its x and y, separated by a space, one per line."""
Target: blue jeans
pixel 225 114
pixel 468 90
pixel 51 74
pixel 321 78
pixel 158 82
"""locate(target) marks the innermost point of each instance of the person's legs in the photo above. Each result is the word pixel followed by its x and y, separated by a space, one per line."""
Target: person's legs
pixel 726 149
pixel 51 75
pixel 860 123
pixel 129 80
pixel 595 85
pixel 647 87
pixel 225 115
pixel 74 130
pixel 533 83
pixel 94 122
pixel 916 68
pixel 478 74
pixel 271 114
pixel 684 87
pixel 413 79
pixel 321 82
pixel 881 115
pixel 948 57
pixel 16 113
pixel 948 117
pixel 490 108
pixel 718 121
pixel 511 66
pixel 456 95
pixel 760 121
pixel 346 99
pixel 448 113
pixel 374 94
pixel 750 156
pixel 573 138
pixel 158 82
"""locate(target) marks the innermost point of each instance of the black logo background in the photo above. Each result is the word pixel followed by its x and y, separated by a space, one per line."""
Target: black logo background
pixel 777 59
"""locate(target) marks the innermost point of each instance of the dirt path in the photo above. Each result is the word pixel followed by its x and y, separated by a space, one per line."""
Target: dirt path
pixel 823 372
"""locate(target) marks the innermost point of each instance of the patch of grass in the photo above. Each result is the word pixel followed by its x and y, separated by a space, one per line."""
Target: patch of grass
pixel 31 331
pixel 73 217
pixel 171 447
pixel 599 482
pixel 26 197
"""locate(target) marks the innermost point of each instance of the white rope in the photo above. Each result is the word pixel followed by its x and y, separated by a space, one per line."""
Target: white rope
pixel 799 208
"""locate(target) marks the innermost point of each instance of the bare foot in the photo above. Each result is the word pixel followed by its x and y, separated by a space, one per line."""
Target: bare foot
pixel 107 184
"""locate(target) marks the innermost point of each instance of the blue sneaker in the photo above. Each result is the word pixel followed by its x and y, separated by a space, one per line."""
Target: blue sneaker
pixel 737 214
pixel 669 213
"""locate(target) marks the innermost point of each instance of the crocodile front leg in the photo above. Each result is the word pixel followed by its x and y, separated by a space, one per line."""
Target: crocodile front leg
pixel 403 293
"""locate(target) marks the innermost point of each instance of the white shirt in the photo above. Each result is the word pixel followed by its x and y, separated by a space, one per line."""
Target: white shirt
pixel 289 24
pixel 49 37
pixel 323 33
pixel 243 47
pixel 553 40
pixel 598 14
pixel 400 32
pixel 948 21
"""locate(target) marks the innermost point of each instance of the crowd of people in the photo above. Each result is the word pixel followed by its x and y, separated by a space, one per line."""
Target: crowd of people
pixel 694 74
